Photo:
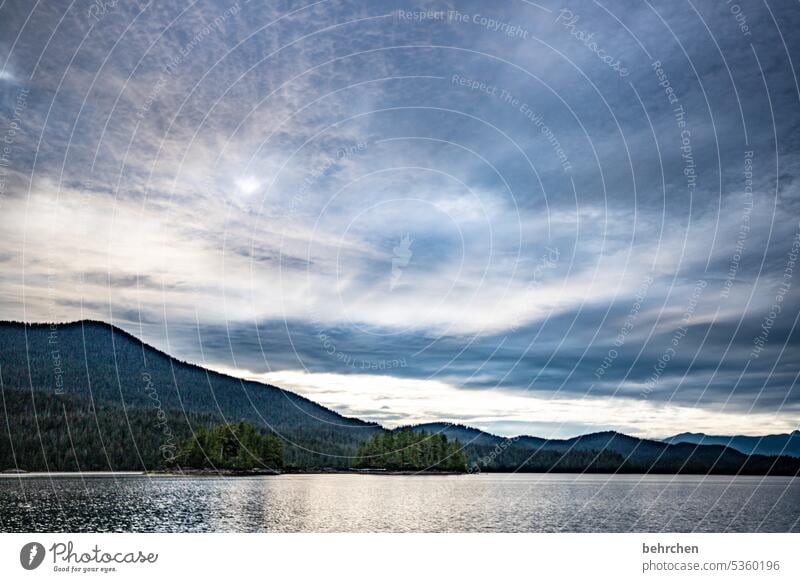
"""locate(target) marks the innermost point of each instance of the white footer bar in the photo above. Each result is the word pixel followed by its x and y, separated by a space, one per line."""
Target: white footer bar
pixel 401 557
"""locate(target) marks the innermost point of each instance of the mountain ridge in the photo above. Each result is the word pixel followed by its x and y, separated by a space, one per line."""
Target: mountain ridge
pixel 102 364
pixel 770 444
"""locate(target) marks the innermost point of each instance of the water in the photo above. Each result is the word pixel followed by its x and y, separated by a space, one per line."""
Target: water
pixel 425 503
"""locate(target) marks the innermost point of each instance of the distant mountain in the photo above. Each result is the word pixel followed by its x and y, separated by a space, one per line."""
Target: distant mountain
pixel 88 395
pixel 774 444
pixel 466 435
pixel 668 457
pixel 608 451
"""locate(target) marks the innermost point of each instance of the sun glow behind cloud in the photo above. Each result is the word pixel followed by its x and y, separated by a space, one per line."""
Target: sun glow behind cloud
pixel 248 185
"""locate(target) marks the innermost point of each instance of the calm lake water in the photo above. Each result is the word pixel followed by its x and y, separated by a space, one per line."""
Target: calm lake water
pixel 375 503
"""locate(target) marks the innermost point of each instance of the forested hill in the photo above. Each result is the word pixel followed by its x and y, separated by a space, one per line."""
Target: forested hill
pixel 605 452
pixel 92 360
pixel 90 396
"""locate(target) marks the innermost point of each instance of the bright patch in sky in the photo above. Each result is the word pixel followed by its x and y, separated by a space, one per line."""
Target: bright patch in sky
pixel 247 185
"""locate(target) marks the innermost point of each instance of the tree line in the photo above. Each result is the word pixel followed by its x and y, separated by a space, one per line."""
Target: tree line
pixel 47 432
pixel 239 446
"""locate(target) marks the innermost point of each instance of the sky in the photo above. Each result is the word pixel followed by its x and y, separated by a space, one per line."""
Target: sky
pixel 532 218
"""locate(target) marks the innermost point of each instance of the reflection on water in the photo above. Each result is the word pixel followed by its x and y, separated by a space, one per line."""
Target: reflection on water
pixel 370 503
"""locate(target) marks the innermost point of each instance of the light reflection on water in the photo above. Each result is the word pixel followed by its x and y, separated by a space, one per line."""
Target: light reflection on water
pixel 429 503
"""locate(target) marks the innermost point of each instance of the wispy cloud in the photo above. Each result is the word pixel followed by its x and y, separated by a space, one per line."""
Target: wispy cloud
pixel 249 173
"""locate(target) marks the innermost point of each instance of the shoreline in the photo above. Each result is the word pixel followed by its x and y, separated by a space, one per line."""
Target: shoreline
pixel 263 473
pixel 215 473
pixel 39 474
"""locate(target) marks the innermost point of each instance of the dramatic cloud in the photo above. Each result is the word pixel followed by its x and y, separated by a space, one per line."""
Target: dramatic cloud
pixel 528 217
